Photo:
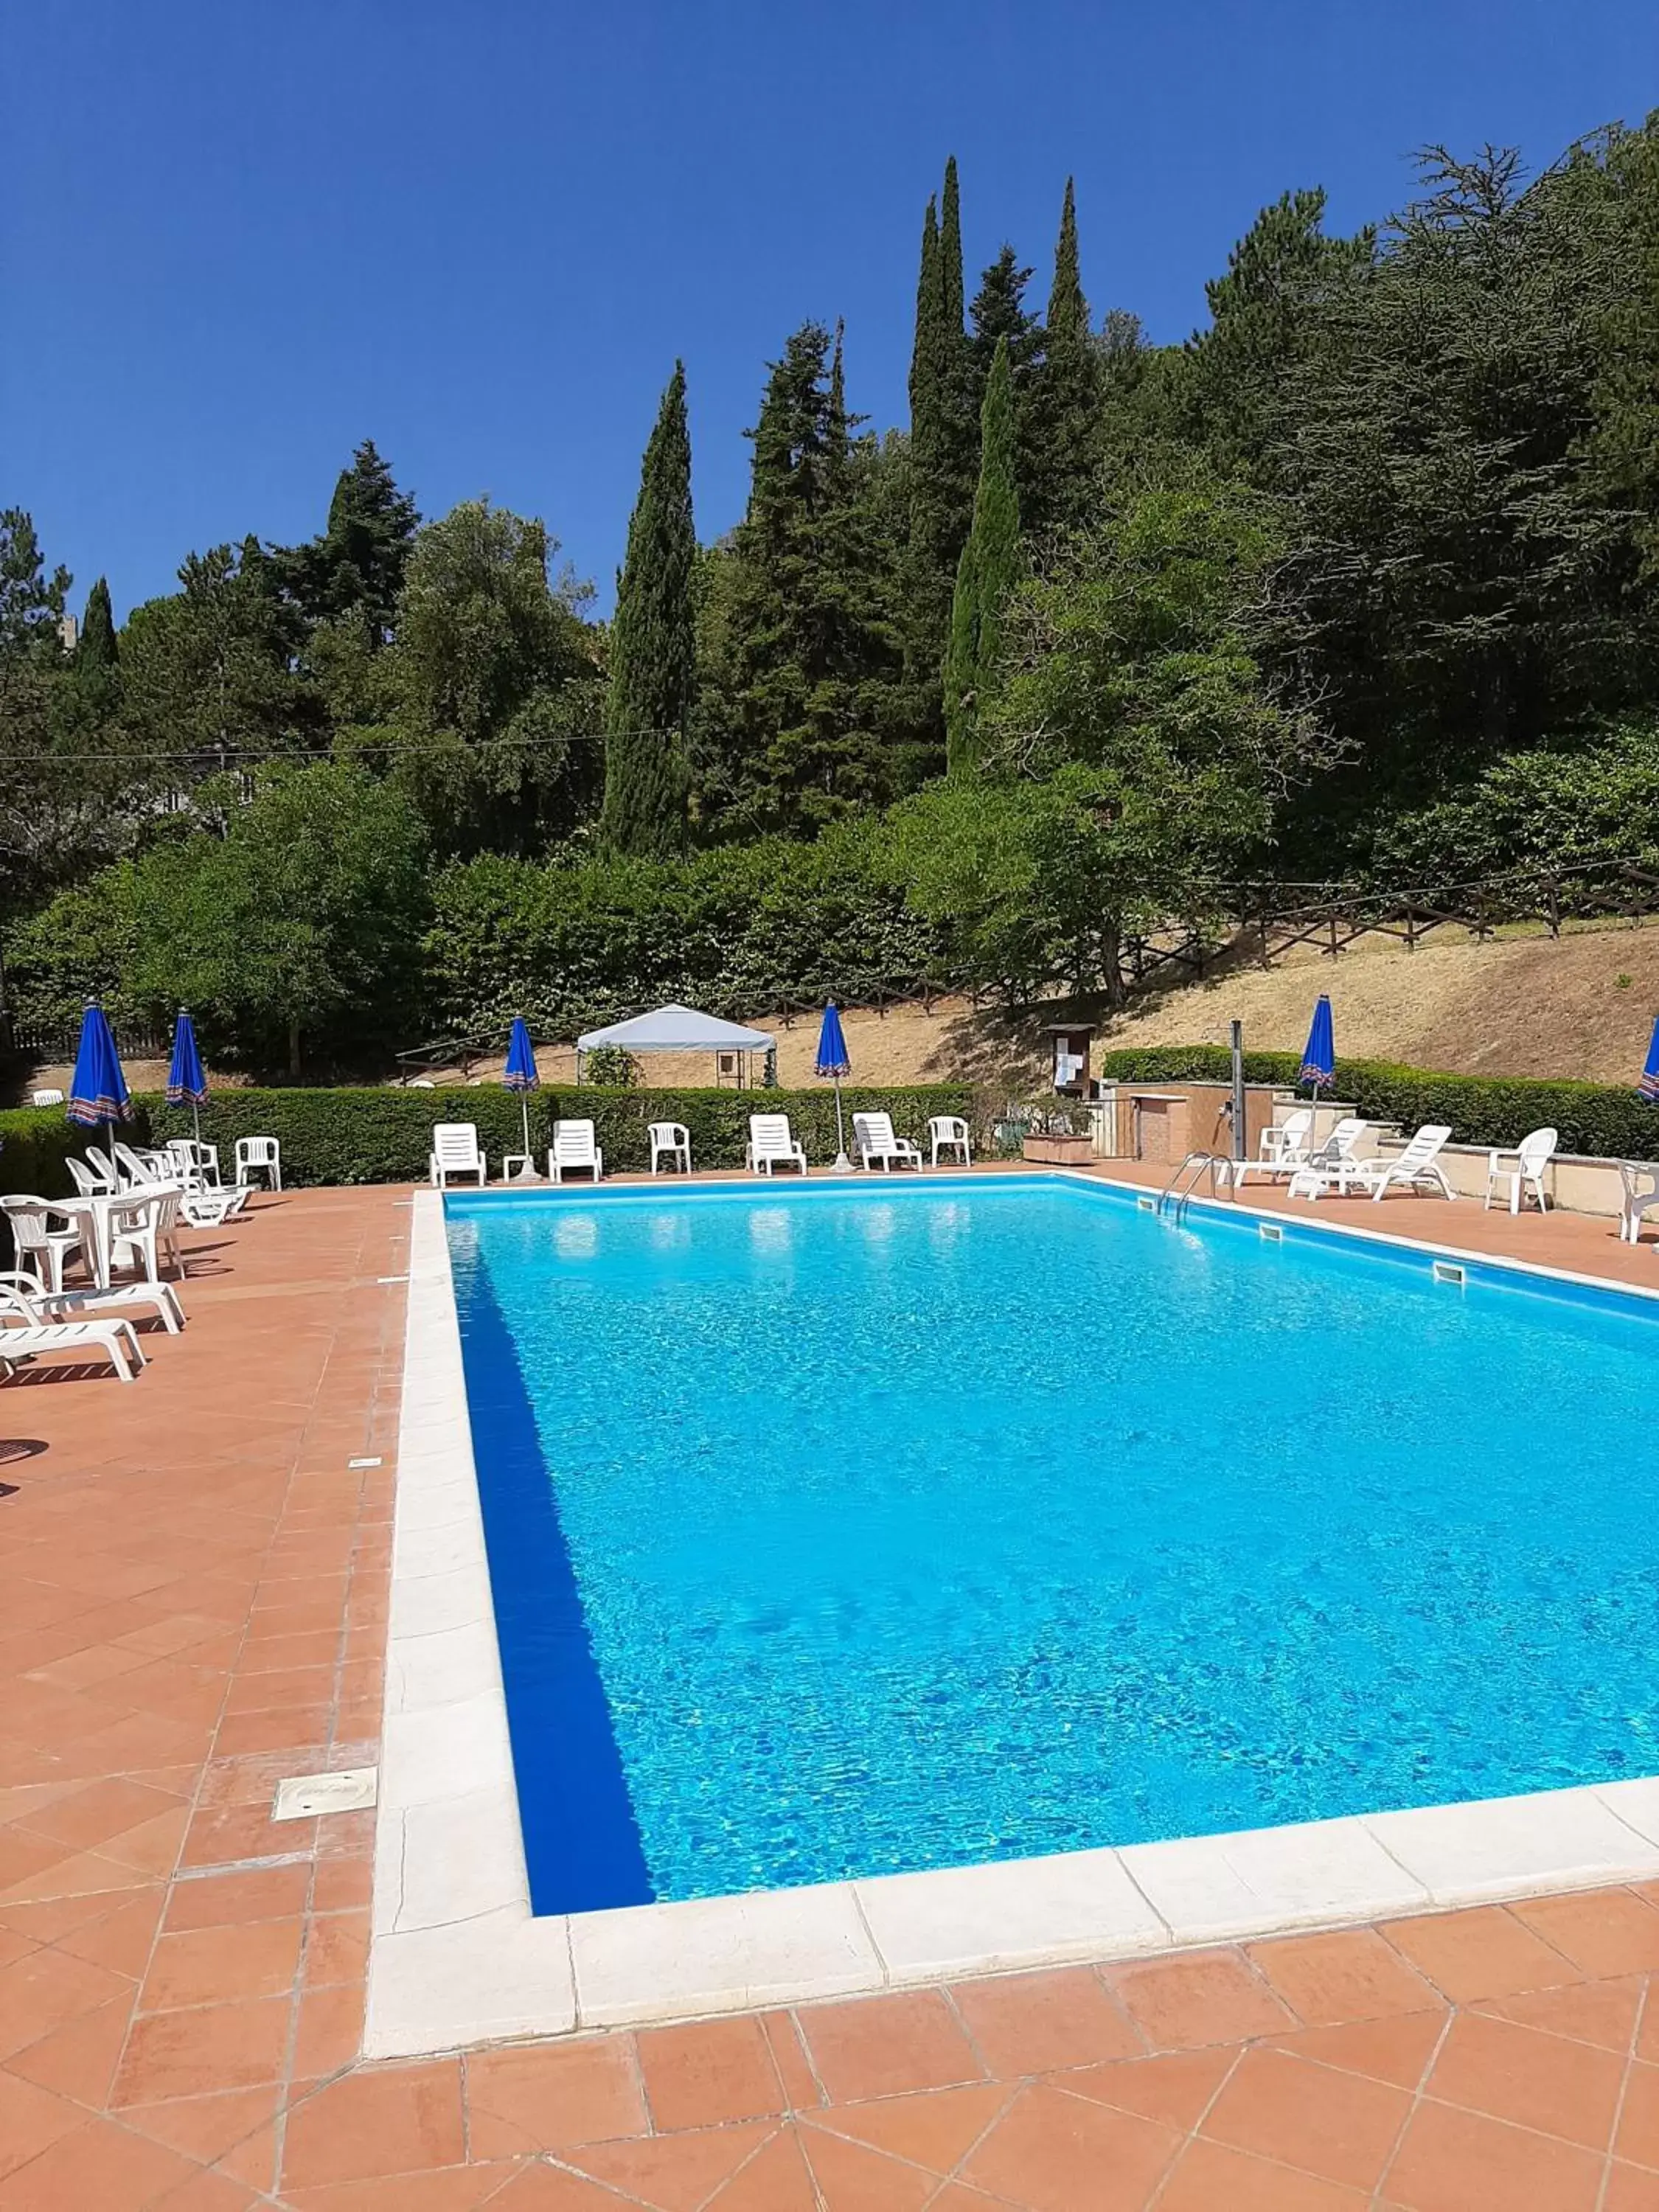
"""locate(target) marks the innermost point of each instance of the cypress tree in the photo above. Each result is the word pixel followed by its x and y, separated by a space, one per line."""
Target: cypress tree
pixel 949 250
pixel 1068 394
pixel 989 566
pixel 96 650
pixel 943 408
pixel 652 649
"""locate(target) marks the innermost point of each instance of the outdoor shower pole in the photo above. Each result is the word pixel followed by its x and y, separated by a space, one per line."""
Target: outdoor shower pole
pixel 1238 1090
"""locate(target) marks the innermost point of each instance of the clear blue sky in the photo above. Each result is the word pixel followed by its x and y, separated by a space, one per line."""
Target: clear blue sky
pixel 237 239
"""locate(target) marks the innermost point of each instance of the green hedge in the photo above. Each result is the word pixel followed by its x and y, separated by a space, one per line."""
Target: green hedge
pixel 1598 1118
pixel 385 1135
pixel 36 1140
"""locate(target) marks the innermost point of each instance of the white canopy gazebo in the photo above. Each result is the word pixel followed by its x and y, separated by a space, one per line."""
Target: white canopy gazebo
pixel 676 1028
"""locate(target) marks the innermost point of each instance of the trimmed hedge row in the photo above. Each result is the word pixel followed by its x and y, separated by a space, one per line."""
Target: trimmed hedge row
pixel 36 1140
pixel 1599 1118
pixel 385 1135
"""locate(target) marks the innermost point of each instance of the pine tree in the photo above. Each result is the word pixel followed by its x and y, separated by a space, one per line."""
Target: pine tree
pixel 96 648
pixel 1067 395
pixel 989 568
pixel 653 649
pixel 355 569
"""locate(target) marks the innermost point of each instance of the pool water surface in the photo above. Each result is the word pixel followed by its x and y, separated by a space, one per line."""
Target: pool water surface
pixel 839 1531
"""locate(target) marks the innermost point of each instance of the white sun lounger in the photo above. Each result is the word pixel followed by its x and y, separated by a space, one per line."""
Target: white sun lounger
pixel 573 1148
pixel 772 1145
pixel 1331 1165
pixel 1416 1168
pixel 159 1298
pixel 25 1335
pixel 877 1145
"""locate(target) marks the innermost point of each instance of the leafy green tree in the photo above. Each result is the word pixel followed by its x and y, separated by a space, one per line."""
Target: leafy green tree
pixel 497 685
pixel 653 649
pixel 1624 445
pixel 211 670
pixel 988 569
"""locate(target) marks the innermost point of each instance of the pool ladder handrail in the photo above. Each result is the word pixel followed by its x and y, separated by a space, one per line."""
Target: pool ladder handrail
pixel 1177 1192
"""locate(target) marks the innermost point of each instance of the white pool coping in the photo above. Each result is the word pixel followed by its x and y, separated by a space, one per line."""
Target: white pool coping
pixel 456 1956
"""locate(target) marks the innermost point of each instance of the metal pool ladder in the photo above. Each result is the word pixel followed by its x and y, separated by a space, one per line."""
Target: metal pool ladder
pixel 1177 1192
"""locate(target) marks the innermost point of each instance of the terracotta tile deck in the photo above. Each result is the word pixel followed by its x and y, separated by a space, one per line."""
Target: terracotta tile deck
pixel 193 1590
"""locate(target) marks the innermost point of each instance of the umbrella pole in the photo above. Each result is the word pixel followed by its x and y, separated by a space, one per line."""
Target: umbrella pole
pixel 196 1121
pixel 843 1165
pixel 523 1108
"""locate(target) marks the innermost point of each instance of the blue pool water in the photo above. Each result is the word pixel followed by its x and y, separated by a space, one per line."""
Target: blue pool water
pixel 837 1532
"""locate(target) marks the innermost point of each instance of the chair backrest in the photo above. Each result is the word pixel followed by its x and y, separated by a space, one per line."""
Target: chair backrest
pixel 1425 1144
pixel 45 1098
pixel 28 1220
pixel 1340 1142
pixel 84 1178
pixel 455 1144
pixel 664 1134
pixel 258 1151
pixel 15 1302
pixel 1537 1147
pixel 136 1167
pixel 873 1133
pixel 769 1133
pixel 947 1125
pixel 1640 1178
pixel 1295 1128
pixel 573 1140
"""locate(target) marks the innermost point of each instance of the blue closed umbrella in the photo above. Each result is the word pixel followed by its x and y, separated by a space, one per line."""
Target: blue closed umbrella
pixel 187 1079
pixel 1648 1088
pixel 521 1072
pixel 1319 1060
pixel 832 1060
pixel 98 1091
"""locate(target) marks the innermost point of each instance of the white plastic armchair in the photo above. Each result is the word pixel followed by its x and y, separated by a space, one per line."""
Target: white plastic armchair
pixel 877 1145
pixel 25 1333
pixel 948 1133
pixel 94 1177
pixel 46 1097
pixel 573 1149
pixel 772 1145
pixel 455 1153
pixel 1640 1189
pixel 1283 1148
pixel 258 1156
pixel 36 1240
pixel 671 1141
pixel 143 1232
pixel 1522 1169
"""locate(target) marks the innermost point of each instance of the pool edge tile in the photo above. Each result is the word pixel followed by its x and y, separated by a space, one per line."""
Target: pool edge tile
pixel 1492 1848
pixel 1255 1881
pixel 1006 1914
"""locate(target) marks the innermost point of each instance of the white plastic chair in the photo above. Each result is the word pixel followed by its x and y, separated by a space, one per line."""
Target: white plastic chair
pixel 143 1169
pixel 877 1145
pixel 772 1145
pixel 25 1333
pixel 1283 1148
pixel 1640 1189
pixel 258 1156
pixel 93 1177
pixel 143 1231
pixel 572 1148
pixel 948 1133
pixel 1531 1157
pixel 671 1141
pixel 35 1239
pixel 455 1153
pixel 45 1098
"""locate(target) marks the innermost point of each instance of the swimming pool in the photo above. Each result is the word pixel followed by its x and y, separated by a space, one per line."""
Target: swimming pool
pixel 841 1530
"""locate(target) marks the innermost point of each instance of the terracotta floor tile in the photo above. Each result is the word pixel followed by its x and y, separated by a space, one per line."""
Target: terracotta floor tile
pixel 1534 2080
pixel 932 2128
pixel 210 2047
pixel 798 2083
pixel 378 2122
pixel 1630 2189
pixel 1604 1931
pixel 1031 2024
pixel 850 2177
pixel 1211 1996
pixel 549 2189
pixel 1456 2161
pixel 47 1989
pixel 79 2059
pixel 100 2164
pixel 543 2096
pixel 1329 1980
pixel 1341 2127
pixel 336 1949
pixel 329 2033
pixel 205 2128
pixel 1397 2050
pixel 233 1833
pixel 1602 2013
pixel 121 1939
pixel 215 1966
pixel 342 1884
pixel 1485 1952
pixel 672 2173
pixel 209 2192
pixel 774 2180
pixel 1055 2153
pixel 708 2072
pixel 230 1900
pixel 1210 2177
pixel 91 1815
pixel 1174 2089
pixel 31 2120
pixel 882 2046
pixel 1638 2138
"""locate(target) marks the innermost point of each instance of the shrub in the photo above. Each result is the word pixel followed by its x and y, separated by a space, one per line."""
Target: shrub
pixel 359 1136
pixel 36 1140
pixel 1601 1118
